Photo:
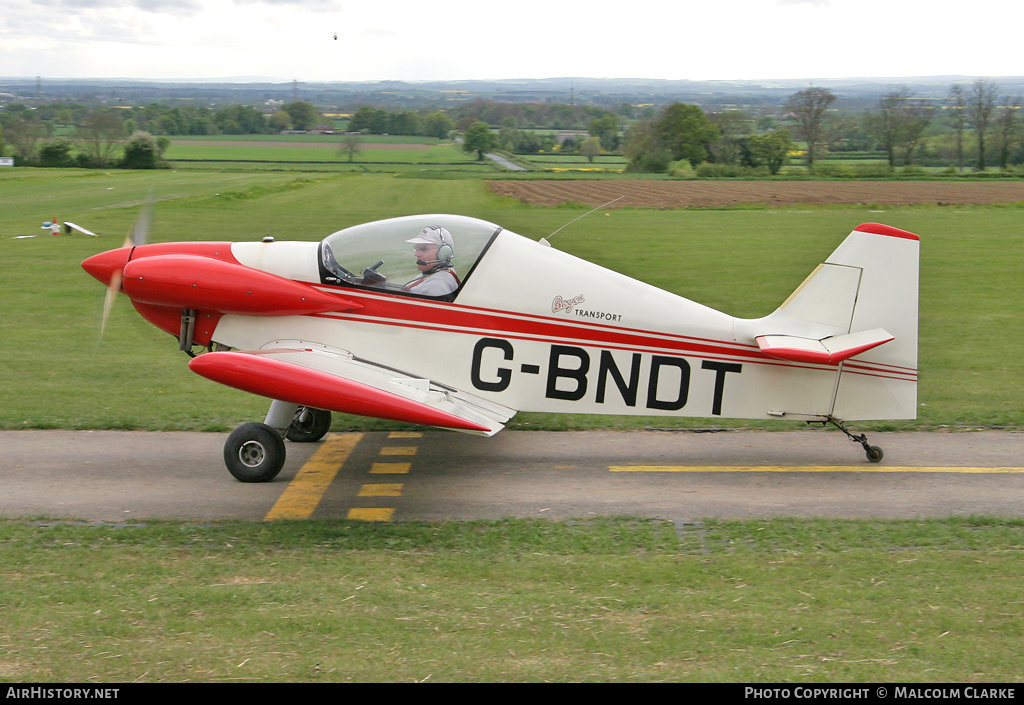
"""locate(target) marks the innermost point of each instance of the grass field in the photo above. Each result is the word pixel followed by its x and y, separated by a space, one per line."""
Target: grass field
pixel 608 599
pixel 514 601
pixel 56 373
pixel 555 163
pixel 317 152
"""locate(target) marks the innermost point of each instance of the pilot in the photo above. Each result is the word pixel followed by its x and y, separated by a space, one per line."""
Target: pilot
pixel 434 250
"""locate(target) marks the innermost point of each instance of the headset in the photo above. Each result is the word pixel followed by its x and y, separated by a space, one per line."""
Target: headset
pixel 445 252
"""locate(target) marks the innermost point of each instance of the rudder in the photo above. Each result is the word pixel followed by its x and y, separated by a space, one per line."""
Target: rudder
pixel 882 383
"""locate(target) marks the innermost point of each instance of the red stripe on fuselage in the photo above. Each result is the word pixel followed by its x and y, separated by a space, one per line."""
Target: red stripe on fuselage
pixel 408 312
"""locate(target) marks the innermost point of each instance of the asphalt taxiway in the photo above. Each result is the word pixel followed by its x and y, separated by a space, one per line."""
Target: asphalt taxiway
pixel 434 475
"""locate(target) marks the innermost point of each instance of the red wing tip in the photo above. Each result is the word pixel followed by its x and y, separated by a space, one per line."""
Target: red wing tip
pixel 887 230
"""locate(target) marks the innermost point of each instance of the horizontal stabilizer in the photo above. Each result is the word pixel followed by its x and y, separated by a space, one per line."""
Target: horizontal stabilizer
pixel 827 351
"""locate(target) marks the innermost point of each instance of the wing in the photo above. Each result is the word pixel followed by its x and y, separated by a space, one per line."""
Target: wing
pixel 79 228
pixel 327 378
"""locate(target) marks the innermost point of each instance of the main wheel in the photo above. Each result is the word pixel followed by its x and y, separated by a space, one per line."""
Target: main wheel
pixel 874 454
pixel 254 452
pixel 309 425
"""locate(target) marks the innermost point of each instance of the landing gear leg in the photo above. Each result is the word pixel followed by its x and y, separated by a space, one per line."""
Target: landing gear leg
pixel 874 453
pixel 280 415
pixel 308 425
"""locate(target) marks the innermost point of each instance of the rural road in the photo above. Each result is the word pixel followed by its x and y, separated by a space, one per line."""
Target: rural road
pixel 434 475
pixel 497 158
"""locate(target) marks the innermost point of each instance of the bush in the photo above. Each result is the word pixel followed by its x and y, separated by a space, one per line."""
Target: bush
pixel 708 170
pixel 872 171
pixel 652 161
pixel 681 170
pixel 142 152
pixel 912 171
pixel 56 154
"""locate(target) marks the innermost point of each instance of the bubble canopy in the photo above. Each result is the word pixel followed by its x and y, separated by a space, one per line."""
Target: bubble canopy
pixel 378 255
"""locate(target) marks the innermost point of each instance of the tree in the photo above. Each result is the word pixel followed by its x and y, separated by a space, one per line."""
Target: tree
pixel 606 129
pixel 438 125
pixel 464 123
pixel 958 109
pixel 240 120
pixel 980 106
pixel 686 132
pixel 304 115
pixel 732 126
pixel 56 154
pixel 23 135
pixel 369 120
pixel 808 109
pixel 350 144
pixel 479 138
pixel 182 120
pixel 1007 129
pixel 141 152
pixel 772 149
pixel 681 132
pixel 101 133
pixel 280 121
pixel 645 150
pixel 899 124
pixel 407 122
pixel 590 148
pixel 508 134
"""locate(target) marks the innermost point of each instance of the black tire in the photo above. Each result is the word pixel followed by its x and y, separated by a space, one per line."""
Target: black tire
pixel 875 454
pixel 254 452
pixel 309 425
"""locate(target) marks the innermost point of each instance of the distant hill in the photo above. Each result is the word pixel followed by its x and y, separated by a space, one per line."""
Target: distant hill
pixel 605 92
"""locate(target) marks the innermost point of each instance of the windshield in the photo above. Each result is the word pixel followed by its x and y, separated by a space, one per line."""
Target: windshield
pixel 379 255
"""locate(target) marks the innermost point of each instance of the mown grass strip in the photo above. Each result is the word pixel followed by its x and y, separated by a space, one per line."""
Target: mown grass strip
pixel 616 599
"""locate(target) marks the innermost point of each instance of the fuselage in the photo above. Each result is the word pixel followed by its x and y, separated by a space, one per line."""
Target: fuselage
pixel 531 328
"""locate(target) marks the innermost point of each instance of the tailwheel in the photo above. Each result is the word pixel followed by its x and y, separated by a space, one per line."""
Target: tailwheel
pixel 254 452
pixel 309 425
pixel 873 453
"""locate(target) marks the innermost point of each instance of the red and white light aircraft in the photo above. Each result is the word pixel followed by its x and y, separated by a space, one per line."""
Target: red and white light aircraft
pixel 527 328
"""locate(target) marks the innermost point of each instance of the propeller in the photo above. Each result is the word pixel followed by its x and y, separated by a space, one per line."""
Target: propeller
pixel 137 235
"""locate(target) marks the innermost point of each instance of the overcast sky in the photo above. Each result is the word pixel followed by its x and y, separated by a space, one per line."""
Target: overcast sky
pixel 463 39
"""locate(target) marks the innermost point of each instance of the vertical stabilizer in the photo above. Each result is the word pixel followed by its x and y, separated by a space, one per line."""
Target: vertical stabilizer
pixel 857 312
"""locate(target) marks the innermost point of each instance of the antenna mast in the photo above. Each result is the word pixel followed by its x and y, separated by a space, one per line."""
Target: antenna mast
pixel 547 240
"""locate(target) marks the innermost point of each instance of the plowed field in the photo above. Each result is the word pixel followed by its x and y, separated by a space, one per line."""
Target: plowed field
pixel 712 194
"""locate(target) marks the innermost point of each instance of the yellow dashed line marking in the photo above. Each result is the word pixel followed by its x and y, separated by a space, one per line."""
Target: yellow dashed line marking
pixel 383 490
pixel 813 468
pixel 370 514
pixel 390 468
pixel 393 489
pixel 303 493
